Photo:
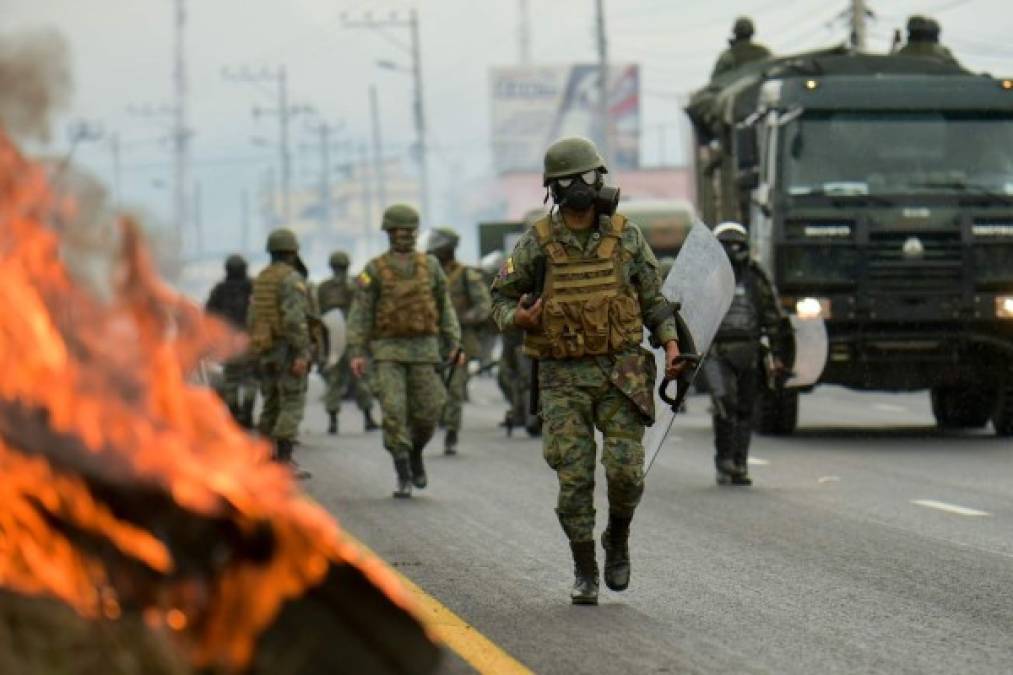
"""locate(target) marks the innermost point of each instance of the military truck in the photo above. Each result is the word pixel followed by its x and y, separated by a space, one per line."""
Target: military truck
pixel 878 193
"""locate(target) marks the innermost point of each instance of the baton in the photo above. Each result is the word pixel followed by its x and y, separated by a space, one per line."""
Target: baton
pixel 451 367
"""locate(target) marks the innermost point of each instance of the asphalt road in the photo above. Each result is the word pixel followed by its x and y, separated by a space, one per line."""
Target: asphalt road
pixel 870 543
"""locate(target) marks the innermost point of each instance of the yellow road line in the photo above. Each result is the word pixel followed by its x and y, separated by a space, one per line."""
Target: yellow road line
pixel 464 639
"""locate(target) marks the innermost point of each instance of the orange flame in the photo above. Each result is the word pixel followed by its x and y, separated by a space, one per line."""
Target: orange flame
pixel 109 380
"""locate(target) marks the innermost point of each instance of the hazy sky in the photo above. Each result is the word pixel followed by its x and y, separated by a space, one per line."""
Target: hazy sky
pixel 122 51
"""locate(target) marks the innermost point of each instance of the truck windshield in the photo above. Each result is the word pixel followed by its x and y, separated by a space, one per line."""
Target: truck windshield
pixel 893 152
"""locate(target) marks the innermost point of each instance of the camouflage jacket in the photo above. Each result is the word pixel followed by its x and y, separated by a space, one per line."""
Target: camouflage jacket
pixel 472 302
pixel 335 292
pixel 738 54
pixel 295 311
pixel 632 370
pixel 423 349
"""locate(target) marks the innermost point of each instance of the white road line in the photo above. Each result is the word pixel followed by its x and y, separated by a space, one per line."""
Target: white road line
pixel 828 479
pixel 949 508
pixel 889 407
pixel 756 461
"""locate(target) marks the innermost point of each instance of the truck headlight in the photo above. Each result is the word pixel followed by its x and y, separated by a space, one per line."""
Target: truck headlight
pixel 813 308
pixel 1004 306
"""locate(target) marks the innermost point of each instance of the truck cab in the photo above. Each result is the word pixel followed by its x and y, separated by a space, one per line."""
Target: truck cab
pixel 878 193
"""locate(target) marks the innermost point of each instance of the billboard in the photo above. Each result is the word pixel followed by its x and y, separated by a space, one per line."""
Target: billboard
pixel 532 106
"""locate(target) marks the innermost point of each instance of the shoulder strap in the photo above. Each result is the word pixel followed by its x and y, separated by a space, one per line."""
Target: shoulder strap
pixel 617 225
pixel 383 267
pixel 543 234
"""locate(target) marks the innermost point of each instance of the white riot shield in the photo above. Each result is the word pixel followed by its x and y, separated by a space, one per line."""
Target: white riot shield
pixel 811 349
pixel 334 320
pixel 703 283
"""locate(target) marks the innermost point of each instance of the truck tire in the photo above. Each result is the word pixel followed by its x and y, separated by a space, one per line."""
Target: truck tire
pixel 961 408
pixel 1002 417
pixel 776 412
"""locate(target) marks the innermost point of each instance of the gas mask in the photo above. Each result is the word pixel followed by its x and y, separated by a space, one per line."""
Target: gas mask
pixel 340 272
pixel 738 252
pixel 584 191
pixel 402 239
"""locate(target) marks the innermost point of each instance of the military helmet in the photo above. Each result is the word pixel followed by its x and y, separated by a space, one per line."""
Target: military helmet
pixel 398 216
pixel 730 232
pixel 440 238
pixel 235 265
pixel 743 28
pixel 339 259
pixel 917 25
pixel 571 156
pixel 282 240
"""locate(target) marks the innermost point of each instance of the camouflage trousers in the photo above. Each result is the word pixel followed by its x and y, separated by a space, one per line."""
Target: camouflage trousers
pixel 238 388
pixel 457 393
pixel 411 397
pixel 572 408
pixel 338 379
pixel 284 403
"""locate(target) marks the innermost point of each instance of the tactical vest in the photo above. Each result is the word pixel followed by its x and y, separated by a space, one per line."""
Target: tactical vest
pixel 743 318
pixel 587 309
pixel 406 306
pixel 334 293
pixel 457 287
pixel 265 326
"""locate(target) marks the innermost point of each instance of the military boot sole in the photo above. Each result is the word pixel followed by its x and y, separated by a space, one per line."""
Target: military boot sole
pixel 742 481
pixel 615 576
pixel 402 493
pixel 584 599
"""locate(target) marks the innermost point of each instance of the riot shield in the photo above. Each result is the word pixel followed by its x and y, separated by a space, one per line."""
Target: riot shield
pixel 334 320
pixel 811 348
pixel 702 284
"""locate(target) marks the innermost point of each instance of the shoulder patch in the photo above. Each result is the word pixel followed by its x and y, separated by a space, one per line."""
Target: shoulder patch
pixel 363 280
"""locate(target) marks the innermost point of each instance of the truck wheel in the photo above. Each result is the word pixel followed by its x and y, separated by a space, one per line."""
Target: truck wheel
pixel 1002 418
pixel 961 408
pixel 777 412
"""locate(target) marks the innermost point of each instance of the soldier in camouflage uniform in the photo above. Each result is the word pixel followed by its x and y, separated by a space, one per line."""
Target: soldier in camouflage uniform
pixel 923 40
pixel 337 293
pixel 282 343
pixel 473 305
pixel 733 368
pixel 230 300
pixel 741 48
pixel 601 288
pixel 402 316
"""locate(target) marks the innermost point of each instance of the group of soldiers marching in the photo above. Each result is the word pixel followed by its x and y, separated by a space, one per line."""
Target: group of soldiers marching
pixel 576 296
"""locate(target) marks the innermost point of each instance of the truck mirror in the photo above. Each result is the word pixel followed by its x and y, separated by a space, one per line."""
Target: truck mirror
pixel 746 150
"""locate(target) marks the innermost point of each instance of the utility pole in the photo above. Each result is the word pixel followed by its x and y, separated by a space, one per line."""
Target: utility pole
pixel 524 32
pixel 180 132
pixel 367 197
pixel 284 111
pixel 324 131
pixel 415 51
pixel 603 84
pixel 378 164
pixel 858 30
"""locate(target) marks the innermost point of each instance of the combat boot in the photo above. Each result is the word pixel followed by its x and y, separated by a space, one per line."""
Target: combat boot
pixel 741 474
pixel 585 573
pixel 418 469
pixel 370 423
pixel 616 542
pixel 332 428
pixel 283 455
pixel 725 470
pixel 404 479
pixel 450 442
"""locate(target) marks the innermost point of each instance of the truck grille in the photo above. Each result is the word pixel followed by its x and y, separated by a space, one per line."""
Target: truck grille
pixel 905 262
